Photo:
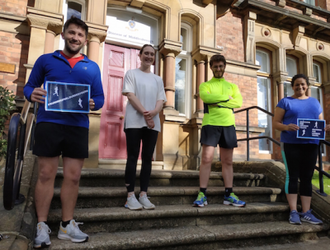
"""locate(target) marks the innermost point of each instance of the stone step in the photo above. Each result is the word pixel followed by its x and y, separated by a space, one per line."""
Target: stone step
pixel 196 237
pixel 322 243
pixel 113 178
pixel 117 219
pixel 92 197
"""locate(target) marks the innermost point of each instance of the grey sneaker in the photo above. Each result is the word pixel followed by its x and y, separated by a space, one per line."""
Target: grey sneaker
pixel 72 232
pixel 144 201
pixel 132 203
pixel 42 239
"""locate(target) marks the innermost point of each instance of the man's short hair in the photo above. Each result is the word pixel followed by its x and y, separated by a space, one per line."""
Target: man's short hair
pixel 217 58
pixel 74 20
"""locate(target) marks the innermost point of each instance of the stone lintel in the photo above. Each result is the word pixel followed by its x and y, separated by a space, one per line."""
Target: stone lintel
pixel 280 76
pixel 168 46
pixel 45 20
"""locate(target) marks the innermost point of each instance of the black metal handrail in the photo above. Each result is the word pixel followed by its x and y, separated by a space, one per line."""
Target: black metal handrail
pixel 21 127
pixel 320 168
pixel 248 138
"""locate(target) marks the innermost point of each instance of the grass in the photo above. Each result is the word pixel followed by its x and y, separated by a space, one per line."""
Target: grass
pixel 326 182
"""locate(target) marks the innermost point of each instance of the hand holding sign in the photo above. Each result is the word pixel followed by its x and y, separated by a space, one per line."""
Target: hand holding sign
pixel 311 129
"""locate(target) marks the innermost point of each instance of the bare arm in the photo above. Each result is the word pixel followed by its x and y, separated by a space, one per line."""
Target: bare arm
pixel 278 121
pixel 135 102
pixel 157 109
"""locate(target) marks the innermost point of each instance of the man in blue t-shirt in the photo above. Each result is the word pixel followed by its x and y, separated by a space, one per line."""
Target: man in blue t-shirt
pixel 62 133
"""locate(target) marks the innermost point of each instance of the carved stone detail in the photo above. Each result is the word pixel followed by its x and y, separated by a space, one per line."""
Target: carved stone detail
pixel 297 33
pixel 249 37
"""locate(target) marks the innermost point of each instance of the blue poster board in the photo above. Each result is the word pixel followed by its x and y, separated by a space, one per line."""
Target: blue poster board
pixel 67 97
pixel 311 129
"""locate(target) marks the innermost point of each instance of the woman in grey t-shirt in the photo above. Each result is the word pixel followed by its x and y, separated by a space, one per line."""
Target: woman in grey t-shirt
pixel 146 96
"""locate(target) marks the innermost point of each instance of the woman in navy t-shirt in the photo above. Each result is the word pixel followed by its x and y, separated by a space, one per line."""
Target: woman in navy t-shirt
pixel 299 155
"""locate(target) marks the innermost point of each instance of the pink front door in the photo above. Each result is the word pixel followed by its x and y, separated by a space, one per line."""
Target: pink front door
pixel 117 60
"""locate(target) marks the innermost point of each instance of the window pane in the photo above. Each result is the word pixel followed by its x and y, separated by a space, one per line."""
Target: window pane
pixel 183 39
pixel 311 2
pixel 291 66
pixel 263 61
pixel 180 84
pixel 74 9
pixel 317 72
pixel 264 120
pixel 316 93
pixel 288 89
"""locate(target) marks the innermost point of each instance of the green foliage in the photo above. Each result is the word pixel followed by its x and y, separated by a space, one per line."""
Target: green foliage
pixel 6 105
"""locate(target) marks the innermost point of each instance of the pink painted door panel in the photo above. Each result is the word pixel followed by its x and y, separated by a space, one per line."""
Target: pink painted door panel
pixel 117 60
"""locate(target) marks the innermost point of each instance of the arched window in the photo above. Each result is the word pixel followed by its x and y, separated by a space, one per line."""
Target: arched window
pixel 183 73
pixel 264 98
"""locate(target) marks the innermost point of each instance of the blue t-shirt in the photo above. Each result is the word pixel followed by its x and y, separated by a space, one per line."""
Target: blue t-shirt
pixel 309 108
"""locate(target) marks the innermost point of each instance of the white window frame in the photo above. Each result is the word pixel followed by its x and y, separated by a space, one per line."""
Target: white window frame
pixel 186 54
pixel 269 103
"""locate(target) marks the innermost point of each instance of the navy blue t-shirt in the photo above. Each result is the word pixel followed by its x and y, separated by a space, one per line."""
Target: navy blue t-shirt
pixel 309 108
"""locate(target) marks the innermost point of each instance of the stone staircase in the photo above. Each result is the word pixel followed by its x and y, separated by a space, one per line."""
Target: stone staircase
pixel 175 224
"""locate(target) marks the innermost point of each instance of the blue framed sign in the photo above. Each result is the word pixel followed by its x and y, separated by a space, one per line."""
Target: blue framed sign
pixel 311 129
pixel 67 97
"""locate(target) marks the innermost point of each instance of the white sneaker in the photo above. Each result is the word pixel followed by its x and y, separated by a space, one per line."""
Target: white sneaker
pixel 42 239
pixel 72 232
pixel 132 203
pixel 144 201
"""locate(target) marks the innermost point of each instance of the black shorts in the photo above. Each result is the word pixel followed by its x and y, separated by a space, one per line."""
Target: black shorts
pixel 214 135
pixel 53 139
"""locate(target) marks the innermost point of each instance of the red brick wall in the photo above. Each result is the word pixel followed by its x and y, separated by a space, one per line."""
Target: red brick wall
pixel 230 36
pixel 14 50
pixel 16 7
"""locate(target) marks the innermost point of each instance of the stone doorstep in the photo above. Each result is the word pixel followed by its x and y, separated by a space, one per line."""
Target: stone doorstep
pixel 159 174
pixel 121 164
pixel 166 238
pixel 171 211
pixel 322 243
pixel 176 191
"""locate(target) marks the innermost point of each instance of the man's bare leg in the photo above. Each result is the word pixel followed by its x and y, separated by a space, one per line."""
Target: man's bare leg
pixel 70 186
pixel 226 155
pixel 44 190
pixel 205 167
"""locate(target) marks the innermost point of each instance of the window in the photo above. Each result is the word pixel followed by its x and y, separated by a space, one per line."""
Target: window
pixel 317 72
pixel 183 73
pixel 73 8
pixel 316 91
pixel 264 95
pixel 311 2
pixel 291 68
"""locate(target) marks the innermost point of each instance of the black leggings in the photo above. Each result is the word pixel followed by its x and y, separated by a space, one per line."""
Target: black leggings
pixel 133 142
pixel 300 160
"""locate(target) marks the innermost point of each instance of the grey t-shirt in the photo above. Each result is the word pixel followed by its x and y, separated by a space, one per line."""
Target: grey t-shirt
pixel 149 89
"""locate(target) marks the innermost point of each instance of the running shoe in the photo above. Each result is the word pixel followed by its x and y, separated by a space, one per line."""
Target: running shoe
pixel 310 218
pixel 72 232
pixel 233 200
pixel 132 203
pixel 201 200
pixel 42 239
pixel 294 218
pixel 144 201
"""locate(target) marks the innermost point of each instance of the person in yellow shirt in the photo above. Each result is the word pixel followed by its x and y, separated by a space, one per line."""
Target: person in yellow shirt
pixel 220 97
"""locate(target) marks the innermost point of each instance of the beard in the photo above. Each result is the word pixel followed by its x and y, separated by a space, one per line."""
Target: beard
pixel 218 74
pixel 71 50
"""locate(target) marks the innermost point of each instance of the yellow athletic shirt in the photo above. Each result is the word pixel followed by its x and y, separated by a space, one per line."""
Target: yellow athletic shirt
pixel 218 107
